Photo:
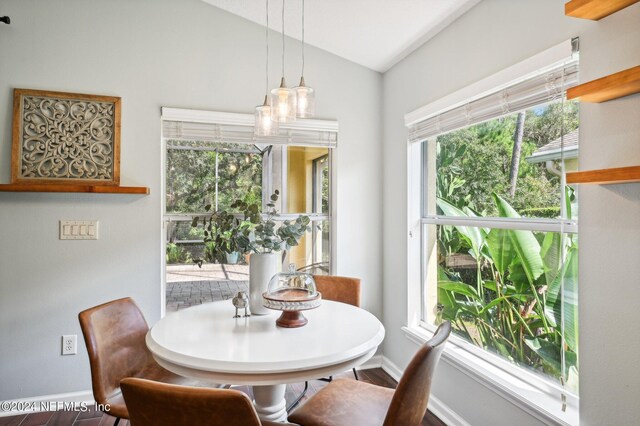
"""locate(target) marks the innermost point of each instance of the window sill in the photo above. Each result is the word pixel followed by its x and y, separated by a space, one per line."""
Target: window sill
pixel 537 397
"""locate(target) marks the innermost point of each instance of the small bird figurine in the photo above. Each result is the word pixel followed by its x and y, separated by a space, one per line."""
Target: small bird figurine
pixel 241 301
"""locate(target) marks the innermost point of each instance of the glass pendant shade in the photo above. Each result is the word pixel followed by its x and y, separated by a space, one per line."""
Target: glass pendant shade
pixel 264 126
pixel 283 101
pixel 306 100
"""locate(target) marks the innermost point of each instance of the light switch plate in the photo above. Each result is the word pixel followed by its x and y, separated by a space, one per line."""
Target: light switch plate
pixel 78 229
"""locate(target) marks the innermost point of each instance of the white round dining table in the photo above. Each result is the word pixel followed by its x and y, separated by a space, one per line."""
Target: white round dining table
pixel 206 342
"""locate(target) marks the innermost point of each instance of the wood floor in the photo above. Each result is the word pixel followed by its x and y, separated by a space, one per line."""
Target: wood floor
pixel 93 418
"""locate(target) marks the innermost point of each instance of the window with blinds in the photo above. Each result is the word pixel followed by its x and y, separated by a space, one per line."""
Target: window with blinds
pixel 213 159
pixel 209 126
pixel 542 86
pixel 493 242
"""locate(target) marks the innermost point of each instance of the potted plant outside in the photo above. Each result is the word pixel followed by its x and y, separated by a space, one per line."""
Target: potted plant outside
pixel 256 234
pixel 221 232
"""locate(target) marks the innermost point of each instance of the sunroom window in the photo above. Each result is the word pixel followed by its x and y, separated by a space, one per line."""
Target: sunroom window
pixel 493 243
pixel 206 173
pixel 213 159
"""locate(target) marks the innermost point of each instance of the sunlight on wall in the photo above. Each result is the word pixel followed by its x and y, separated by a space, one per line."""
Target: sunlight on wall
pixel 300 194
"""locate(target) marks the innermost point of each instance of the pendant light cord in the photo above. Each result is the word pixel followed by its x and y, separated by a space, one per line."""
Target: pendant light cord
pixel 267 49
pixel 302 75
pixel 283 39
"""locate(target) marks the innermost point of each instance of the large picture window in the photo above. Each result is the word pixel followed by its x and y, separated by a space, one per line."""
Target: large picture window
pixel 493 243
pixel 506 243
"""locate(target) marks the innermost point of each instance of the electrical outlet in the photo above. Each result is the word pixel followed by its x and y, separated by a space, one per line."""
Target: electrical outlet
pixel 69 344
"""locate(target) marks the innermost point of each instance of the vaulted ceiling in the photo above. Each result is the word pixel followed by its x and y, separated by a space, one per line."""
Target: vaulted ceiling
pixel 373 33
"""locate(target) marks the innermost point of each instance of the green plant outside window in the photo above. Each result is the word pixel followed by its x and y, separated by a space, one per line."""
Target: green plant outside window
pixel 511 290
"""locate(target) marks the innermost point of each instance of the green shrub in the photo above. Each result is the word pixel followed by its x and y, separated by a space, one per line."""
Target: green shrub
pixel 549 212
pixel 177 254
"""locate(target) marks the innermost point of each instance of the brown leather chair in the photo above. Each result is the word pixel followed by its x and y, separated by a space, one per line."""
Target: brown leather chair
pixel 114 333
pixel 161 404
pixel 352 403
pixel 337 289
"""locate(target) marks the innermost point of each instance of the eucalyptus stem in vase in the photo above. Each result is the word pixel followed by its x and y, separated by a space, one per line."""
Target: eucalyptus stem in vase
pixel 265 241
pixel 256 232
pixel 264 236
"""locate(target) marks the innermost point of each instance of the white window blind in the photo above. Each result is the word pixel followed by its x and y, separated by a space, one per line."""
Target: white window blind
pixel 211 126
pixel 545 85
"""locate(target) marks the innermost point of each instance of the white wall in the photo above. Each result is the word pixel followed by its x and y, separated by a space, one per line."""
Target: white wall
pixel 152 53
pixel 490 37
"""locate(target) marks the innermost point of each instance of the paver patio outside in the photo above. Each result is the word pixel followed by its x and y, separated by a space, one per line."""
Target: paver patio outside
pixel 189 285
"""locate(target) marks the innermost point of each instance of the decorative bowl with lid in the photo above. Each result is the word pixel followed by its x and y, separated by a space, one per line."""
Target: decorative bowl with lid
pixel 291 292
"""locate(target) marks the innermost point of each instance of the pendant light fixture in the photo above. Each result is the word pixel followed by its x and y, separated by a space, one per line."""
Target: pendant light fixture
pixel 283 100
pixel 305 95
pixel 264 126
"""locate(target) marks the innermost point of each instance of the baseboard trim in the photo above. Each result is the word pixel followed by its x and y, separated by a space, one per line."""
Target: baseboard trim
pixel 391 368
pixel 78 401
pixel 444 413
pixel 436 406
pixel 47 402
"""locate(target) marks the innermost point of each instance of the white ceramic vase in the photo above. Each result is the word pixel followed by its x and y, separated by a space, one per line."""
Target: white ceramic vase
pixel 262 267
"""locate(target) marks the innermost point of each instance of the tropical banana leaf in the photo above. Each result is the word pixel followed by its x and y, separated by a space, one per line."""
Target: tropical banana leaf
pixel 493 303
pixel 551 252
pixel 550 354
pixel 447 300
pixel 474 234
pixel 567 321
pixel 518 276
pixel 498 300
pixel 508 290
pixel 491 285
pixel 501 249
pixel 452 308
pixel 571 206
pixel 524 243
pixel 472 213
pixel 501 348
pixel 459 288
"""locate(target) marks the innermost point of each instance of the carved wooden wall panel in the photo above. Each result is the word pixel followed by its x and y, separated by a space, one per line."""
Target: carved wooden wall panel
pixel 65 138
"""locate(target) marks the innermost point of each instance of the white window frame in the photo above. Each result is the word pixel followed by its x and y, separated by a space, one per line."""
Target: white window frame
pixel 287 137
pixel 531 392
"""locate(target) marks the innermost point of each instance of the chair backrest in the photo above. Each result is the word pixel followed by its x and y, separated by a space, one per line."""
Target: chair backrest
pixel 115 336
pixel 339 289
pixel 161 404
pixel 409 403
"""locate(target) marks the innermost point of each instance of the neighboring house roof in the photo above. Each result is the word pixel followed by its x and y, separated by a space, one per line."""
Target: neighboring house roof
pixel 553 150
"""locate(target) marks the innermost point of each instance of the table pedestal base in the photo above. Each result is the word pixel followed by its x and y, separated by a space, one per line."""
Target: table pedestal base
pixel 270 403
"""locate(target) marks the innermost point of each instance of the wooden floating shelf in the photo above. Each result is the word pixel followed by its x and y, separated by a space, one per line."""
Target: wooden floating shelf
pixel 595 9
pixel 606 176
pixel 623 83
pixel 96 189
